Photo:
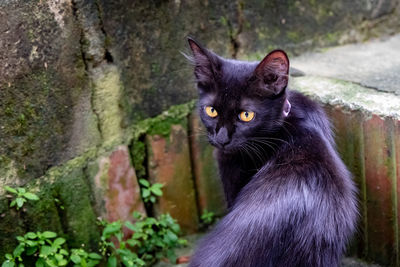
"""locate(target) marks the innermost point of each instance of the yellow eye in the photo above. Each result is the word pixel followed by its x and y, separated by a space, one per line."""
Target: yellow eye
pixel 246 116
pixel 211 112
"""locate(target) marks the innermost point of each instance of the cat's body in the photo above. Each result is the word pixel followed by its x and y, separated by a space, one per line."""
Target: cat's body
pixel 291 200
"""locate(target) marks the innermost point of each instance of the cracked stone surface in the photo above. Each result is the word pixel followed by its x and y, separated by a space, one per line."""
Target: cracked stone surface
pixel 374 64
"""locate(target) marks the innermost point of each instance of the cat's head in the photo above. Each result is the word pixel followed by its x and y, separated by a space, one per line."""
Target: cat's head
pixel 240 101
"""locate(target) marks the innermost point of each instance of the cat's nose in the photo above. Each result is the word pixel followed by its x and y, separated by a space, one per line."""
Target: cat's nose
pixel 222 137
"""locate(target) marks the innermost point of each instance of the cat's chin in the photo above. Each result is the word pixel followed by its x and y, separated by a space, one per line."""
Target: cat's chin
pixel 226 150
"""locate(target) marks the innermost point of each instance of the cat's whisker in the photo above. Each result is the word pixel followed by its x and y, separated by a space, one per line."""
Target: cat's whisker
pixel 265 142
pixel 255 149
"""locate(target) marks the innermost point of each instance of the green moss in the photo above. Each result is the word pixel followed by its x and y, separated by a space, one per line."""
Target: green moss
pixel 139 155
pixel 293 36
pixel 33 121
pixel 107 88
pixel 78 216
pixel 76 220
pixel 161 125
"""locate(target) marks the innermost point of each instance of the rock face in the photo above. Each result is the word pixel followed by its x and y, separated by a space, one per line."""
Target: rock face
pixel 75 73
pixel 80 78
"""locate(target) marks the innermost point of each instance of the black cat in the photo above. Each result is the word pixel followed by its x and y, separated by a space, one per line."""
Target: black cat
pixel 291 199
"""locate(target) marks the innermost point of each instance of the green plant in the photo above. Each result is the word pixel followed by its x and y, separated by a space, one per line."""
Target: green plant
pixel 21 196
pixel 150 191
pixel 152 239
pixel 111 232
pixel 84 259
pixel 47 250
pixel 207 217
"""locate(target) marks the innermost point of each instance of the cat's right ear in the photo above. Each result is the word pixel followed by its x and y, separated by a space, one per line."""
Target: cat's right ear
pixel 273 72
pixel 206 64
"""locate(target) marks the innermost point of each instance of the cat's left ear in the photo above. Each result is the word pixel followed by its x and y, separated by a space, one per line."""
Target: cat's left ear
pixel 272 72
pixel 207 64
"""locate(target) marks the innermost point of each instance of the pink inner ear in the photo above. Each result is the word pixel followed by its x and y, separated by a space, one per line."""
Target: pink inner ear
pixel 195 47
pixel 276 62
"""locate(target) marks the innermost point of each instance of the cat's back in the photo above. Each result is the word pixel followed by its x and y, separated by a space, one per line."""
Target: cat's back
pixel 310 114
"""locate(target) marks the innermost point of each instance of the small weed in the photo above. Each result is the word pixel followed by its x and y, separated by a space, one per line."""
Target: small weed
pixel 21 196
pixel 150 192
pixel 82 258
pixel 47 250
pixel 153 239
pixel 207 218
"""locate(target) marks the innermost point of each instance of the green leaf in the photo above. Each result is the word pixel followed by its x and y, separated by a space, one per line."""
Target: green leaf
pixel 40 263
pixel 59 241
pixel 112 228
pixel 8 256
pixel 48 234
pixel 31 243
pixel 112 261
pixel 173 237
pixel 63 252
pixel 18 250
pixel 156 191
pixel 95 256
pixel 31 196
pixel 137 215
pixel 62 262
pixel 133 242
pixel 46 250
pixel 10 189
pixel 13 203
pixel 31 250
pixel 59 257
pixel 157 185
pixel 21 265
pixel 145 193
pixel 171 256
pixel 30 235
pixel 51 262
pixel 8 263
pixel 76 259
pixel 20 201
pixel 153 199
pixel 144 182
pixel 21 190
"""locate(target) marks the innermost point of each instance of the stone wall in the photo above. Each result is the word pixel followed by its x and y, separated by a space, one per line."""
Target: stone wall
pixel 80 78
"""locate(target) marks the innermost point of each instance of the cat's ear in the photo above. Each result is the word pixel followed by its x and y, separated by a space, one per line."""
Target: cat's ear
pixel 206 63
pixel 272 72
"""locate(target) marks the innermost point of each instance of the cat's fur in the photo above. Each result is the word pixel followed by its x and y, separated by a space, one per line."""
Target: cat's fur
pixel 291 199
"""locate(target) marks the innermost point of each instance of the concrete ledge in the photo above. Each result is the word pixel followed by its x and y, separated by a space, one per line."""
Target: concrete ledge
pixel 351 95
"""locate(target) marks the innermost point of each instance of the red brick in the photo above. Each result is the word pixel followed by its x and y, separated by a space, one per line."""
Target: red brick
pixel 349 137
pixel 117 181
pixel 397 164
pixel 381 206
pixel 210 194
pixel 169 164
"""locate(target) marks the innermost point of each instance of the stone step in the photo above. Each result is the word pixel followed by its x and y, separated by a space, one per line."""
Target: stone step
pixel 374 64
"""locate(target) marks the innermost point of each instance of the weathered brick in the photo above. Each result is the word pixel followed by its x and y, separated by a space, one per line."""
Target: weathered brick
pixel 396 140
pixel 210 194
pixel 169 164
pixel 380 189
pixel 116 182
pixel 349 137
